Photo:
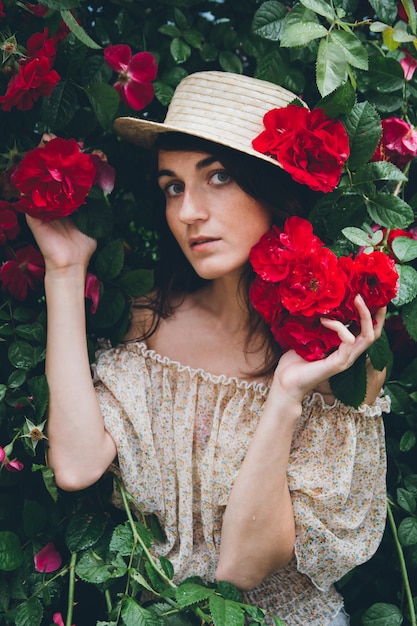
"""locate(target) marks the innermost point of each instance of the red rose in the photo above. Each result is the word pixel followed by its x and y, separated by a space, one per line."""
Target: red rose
pixel 9 225
pixel 265 298
pixel 40 45
pixel 272 255
pixel 398 143
pixel 136 72
pixel 315 285
pixel 23 272
pixel 307 336
pixel 307 144
pixel 2 13
pixel 53 180
pixel 34 79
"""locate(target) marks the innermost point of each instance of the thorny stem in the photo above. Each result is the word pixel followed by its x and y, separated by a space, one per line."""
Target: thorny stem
pixel 71 586
pixel 403 566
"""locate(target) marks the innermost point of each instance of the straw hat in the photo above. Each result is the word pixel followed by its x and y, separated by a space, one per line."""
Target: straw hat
pixel 219 106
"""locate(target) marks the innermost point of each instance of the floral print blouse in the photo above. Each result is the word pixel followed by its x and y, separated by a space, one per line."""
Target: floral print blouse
pixel 181 436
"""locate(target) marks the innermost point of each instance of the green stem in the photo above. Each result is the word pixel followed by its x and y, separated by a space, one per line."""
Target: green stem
pixel 138 538
pixel 403 566
pixel 71 588
pixel 108 601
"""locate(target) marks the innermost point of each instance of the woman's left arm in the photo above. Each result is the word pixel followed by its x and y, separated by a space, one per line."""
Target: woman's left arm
pixel 258 532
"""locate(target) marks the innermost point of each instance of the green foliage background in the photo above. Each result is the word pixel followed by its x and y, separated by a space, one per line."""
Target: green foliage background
pixel 343 55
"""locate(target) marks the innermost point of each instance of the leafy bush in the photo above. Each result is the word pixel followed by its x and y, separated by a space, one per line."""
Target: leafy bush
pixel 73 553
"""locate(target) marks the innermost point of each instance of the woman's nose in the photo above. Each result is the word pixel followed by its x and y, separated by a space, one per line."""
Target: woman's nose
pixel 193 207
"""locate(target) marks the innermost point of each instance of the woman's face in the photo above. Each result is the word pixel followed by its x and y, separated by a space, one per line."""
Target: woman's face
pixel 213 220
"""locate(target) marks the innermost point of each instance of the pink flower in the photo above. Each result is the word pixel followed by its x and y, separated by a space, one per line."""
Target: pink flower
pixel 2 14
pixel 22 272
pixel 135 74
pixel 398 143
pixel 14 465
pixel 409 66
pixel 57 619
pixel 2 455
pixel 92 290
pixel 48 559
pixel 105 173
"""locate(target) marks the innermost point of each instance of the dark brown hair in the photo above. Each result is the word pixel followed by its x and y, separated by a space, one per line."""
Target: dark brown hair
pixel 261 180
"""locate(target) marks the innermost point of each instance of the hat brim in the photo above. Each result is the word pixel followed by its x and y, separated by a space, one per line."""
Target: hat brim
pixel 144 133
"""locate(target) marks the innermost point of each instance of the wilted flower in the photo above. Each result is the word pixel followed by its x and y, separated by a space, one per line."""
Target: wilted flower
pixel 135 74
pixel 92 290
pixel 34 432
pixel 48 559
pixel 9 225
pixel 105 173
pixel 14 465
pixel 398 143
pixel 409 66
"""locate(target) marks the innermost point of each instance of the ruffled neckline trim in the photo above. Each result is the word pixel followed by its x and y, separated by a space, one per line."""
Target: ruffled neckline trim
pixel 382 403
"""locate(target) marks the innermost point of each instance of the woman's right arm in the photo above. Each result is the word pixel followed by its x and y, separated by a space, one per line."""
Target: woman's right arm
pixel 80 449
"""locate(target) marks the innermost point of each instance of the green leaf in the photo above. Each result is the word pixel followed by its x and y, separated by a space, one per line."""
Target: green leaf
pixel 170 30
pixel 407 531
pixel 58 110
pixel 84 530
pixel 32 332
pixel 135 615
pixel 22 355
pixel 406 500
pixel 167 566
pixel 226 612
pixel 268 19
pixel 110 309
pixel 109 260
pixel 39 389
pixel 386 10
pixel 410 10
pixel 338 102
pixel 230 62
pixel 11 554
pixel 409 315
pixel 353 49
pixel 382 614
pixel 321 7
pixel 188 594
pixel 104 100
pixel 390 211
pixel 331 67
pixel 94 219
pixel 194 38
pixel 29 613
pixel 94 569
pixel 385 74
pixel 78 30
pixel 378 170
pixel 180 50
pixel 95 70
pixel 357 236
pixel 141 580
pixel 122 540
pixel 270 65
pixel 404 248
pixel 3 391
pixel 229 591
pixel 57 5
pixel 380 352
pixel 410 482
pixel 407 285
pixel 399 398
pixel 407 441
pixel 350 386
pixel 301 34
pixel 364 130
pixel 48 479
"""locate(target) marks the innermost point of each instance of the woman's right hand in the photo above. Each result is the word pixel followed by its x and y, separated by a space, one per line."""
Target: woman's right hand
pixel 62 244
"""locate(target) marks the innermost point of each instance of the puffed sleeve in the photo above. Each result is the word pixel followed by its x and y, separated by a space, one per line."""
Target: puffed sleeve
pixel 336 476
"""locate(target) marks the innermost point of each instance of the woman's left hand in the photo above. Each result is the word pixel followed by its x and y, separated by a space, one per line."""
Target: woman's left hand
pixel 297 377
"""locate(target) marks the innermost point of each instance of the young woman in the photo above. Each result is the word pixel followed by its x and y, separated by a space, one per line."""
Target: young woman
pixel 257 475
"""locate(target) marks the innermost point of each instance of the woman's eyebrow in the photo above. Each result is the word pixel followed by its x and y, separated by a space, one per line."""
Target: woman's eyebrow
pixel 200 165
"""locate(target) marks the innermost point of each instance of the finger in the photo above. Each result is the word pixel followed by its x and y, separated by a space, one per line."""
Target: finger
pixel 343 331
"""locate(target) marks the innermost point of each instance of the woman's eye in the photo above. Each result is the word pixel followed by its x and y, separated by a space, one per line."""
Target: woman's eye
pixel 173 189
pixel 222 177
